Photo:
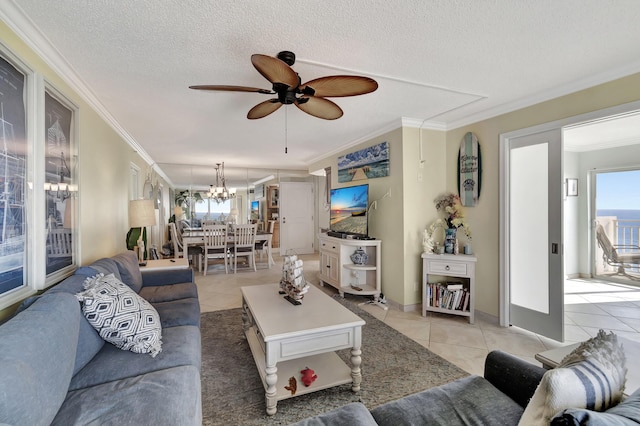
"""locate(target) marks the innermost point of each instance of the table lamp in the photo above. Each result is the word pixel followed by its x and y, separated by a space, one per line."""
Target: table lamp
pixel 141 214
pixel 177 211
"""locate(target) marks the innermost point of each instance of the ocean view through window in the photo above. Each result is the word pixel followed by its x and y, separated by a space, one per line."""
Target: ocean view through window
pixel 618 212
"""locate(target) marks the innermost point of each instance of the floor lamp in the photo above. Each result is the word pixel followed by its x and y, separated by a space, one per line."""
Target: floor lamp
pixel 141 214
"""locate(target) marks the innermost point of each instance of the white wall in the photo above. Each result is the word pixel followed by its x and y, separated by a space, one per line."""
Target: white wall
pixel 572 214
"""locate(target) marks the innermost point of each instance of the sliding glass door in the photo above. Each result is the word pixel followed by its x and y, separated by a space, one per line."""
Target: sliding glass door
pixel 616 209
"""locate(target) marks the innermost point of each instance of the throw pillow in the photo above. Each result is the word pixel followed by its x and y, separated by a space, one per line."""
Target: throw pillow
pixel 121 316
pixel 627 413
pixel 591 377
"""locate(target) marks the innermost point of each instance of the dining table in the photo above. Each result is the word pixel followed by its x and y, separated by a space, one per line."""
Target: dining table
pixel 195 237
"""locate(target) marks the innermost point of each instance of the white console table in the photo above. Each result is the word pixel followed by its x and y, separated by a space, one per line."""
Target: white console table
pixel 449 265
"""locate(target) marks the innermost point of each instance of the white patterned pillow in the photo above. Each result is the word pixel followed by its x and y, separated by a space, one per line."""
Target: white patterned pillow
pixel 120 316
pixel 591 377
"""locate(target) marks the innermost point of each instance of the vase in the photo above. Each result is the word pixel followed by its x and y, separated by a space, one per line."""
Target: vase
pixel 450 239
pixel 359 257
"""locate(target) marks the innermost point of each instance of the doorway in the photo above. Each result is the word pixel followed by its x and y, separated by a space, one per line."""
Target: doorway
pixel 296 217
pixel 583 251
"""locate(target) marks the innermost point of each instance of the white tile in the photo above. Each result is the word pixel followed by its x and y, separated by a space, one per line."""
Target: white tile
pixel 514 343
pixel 621 311
pixel 633 323
pixel 585 307
pixel 598 321
pixel 574 333
pixel 466 336
pixel 469 359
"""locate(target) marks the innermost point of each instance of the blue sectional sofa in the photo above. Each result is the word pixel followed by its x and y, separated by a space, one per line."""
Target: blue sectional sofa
pixel 56 369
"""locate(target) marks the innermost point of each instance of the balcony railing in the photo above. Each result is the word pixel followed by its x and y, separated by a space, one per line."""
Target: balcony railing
pixel 624 234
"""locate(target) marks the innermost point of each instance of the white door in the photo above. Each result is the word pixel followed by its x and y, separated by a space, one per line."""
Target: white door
pixel 532 270
pixel 296 217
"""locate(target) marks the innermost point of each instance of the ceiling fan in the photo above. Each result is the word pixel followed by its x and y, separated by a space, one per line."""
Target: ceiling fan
pixel 287 85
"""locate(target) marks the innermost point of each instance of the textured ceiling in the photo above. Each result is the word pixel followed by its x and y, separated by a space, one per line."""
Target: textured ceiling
pixel 441 64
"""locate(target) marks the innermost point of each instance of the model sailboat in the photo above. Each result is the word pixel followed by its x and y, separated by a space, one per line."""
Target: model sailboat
pixel 293 283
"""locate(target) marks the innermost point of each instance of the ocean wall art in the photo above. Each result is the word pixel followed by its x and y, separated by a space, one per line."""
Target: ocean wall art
pixel 367 163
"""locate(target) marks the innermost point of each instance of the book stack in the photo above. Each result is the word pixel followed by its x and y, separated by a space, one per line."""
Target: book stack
pixel 448 296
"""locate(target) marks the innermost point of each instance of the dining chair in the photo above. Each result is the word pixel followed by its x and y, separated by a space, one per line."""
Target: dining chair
pixel 178 248
pixel 244 244
pixel 215 245
pixel 208 222
pixel 261 246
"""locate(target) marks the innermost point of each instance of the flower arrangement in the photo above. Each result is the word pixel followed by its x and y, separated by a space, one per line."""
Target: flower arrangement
pixel 449 204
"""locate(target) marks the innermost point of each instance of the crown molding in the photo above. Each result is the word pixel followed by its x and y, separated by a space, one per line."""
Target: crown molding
pixel 402 122
pixel 556 92
pixel 602 145
pixel 382 130
pixel 29 33
pixel 422 124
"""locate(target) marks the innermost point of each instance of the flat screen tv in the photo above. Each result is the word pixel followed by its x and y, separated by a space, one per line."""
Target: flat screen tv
pixel 255 210
pixel 349 210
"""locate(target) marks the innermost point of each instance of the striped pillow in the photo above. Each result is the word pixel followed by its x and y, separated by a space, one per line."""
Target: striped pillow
pixel 591 377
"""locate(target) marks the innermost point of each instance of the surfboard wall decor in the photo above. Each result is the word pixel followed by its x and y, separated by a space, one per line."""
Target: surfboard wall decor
pixel 469 170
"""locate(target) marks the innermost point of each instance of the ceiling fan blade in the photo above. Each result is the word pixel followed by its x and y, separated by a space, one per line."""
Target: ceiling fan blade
pixel 340 85
pixel 319 107
pixel 263 109
pixel 275 70
pixel 225 88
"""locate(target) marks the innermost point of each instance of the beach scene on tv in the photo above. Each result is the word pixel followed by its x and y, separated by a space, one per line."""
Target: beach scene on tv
pixel 349 209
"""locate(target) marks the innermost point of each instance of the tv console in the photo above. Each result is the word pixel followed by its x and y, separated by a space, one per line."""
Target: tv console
pixel 347 236
pixel 337 234
pixel 337 269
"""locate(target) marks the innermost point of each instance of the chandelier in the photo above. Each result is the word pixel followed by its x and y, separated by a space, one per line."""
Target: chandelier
pixel 219 191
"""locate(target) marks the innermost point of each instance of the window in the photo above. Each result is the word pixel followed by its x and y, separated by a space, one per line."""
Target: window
pixel 38 196
pixel 14 158
pixel 209 209
pixel 59 183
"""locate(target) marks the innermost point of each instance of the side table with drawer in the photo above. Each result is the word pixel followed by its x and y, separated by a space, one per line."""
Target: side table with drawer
pixel 449 265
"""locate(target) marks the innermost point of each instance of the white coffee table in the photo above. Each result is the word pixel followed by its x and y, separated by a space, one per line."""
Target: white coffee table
pixel 285 338
pixel 165 264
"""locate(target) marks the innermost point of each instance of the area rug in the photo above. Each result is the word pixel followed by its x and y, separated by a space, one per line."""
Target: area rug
pixel 232 394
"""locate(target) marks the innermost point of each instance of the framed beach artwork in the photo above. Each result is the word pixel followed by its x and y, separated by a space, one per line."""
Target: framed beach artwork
pixel 368 163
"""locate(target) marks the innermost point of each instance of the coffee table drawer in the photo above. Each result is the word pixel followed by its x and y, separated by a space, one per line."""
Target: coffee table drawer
pixel 315 343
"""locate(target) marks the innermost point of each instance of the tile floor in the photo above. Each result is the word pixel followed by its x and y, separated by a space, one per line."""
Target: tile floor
pixel 589 306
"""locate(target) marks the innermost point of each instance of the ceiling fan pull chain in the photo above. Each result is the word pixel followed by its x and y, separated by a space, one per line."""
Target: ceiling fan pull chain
pixel 286 129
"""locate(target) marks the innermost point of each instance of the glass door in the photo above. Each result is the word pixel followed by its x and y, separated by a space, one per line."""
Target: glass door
pixel 533 254
pixel 616 209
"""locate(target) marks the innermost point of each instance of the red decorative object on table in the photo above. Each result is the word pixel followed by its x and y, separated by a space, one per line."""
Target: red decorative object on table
pixel 308 376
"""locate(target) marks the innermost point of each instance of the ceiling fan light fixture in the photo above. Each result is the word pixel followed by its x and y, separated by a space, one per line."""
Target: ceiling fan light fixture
pixel 286 83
